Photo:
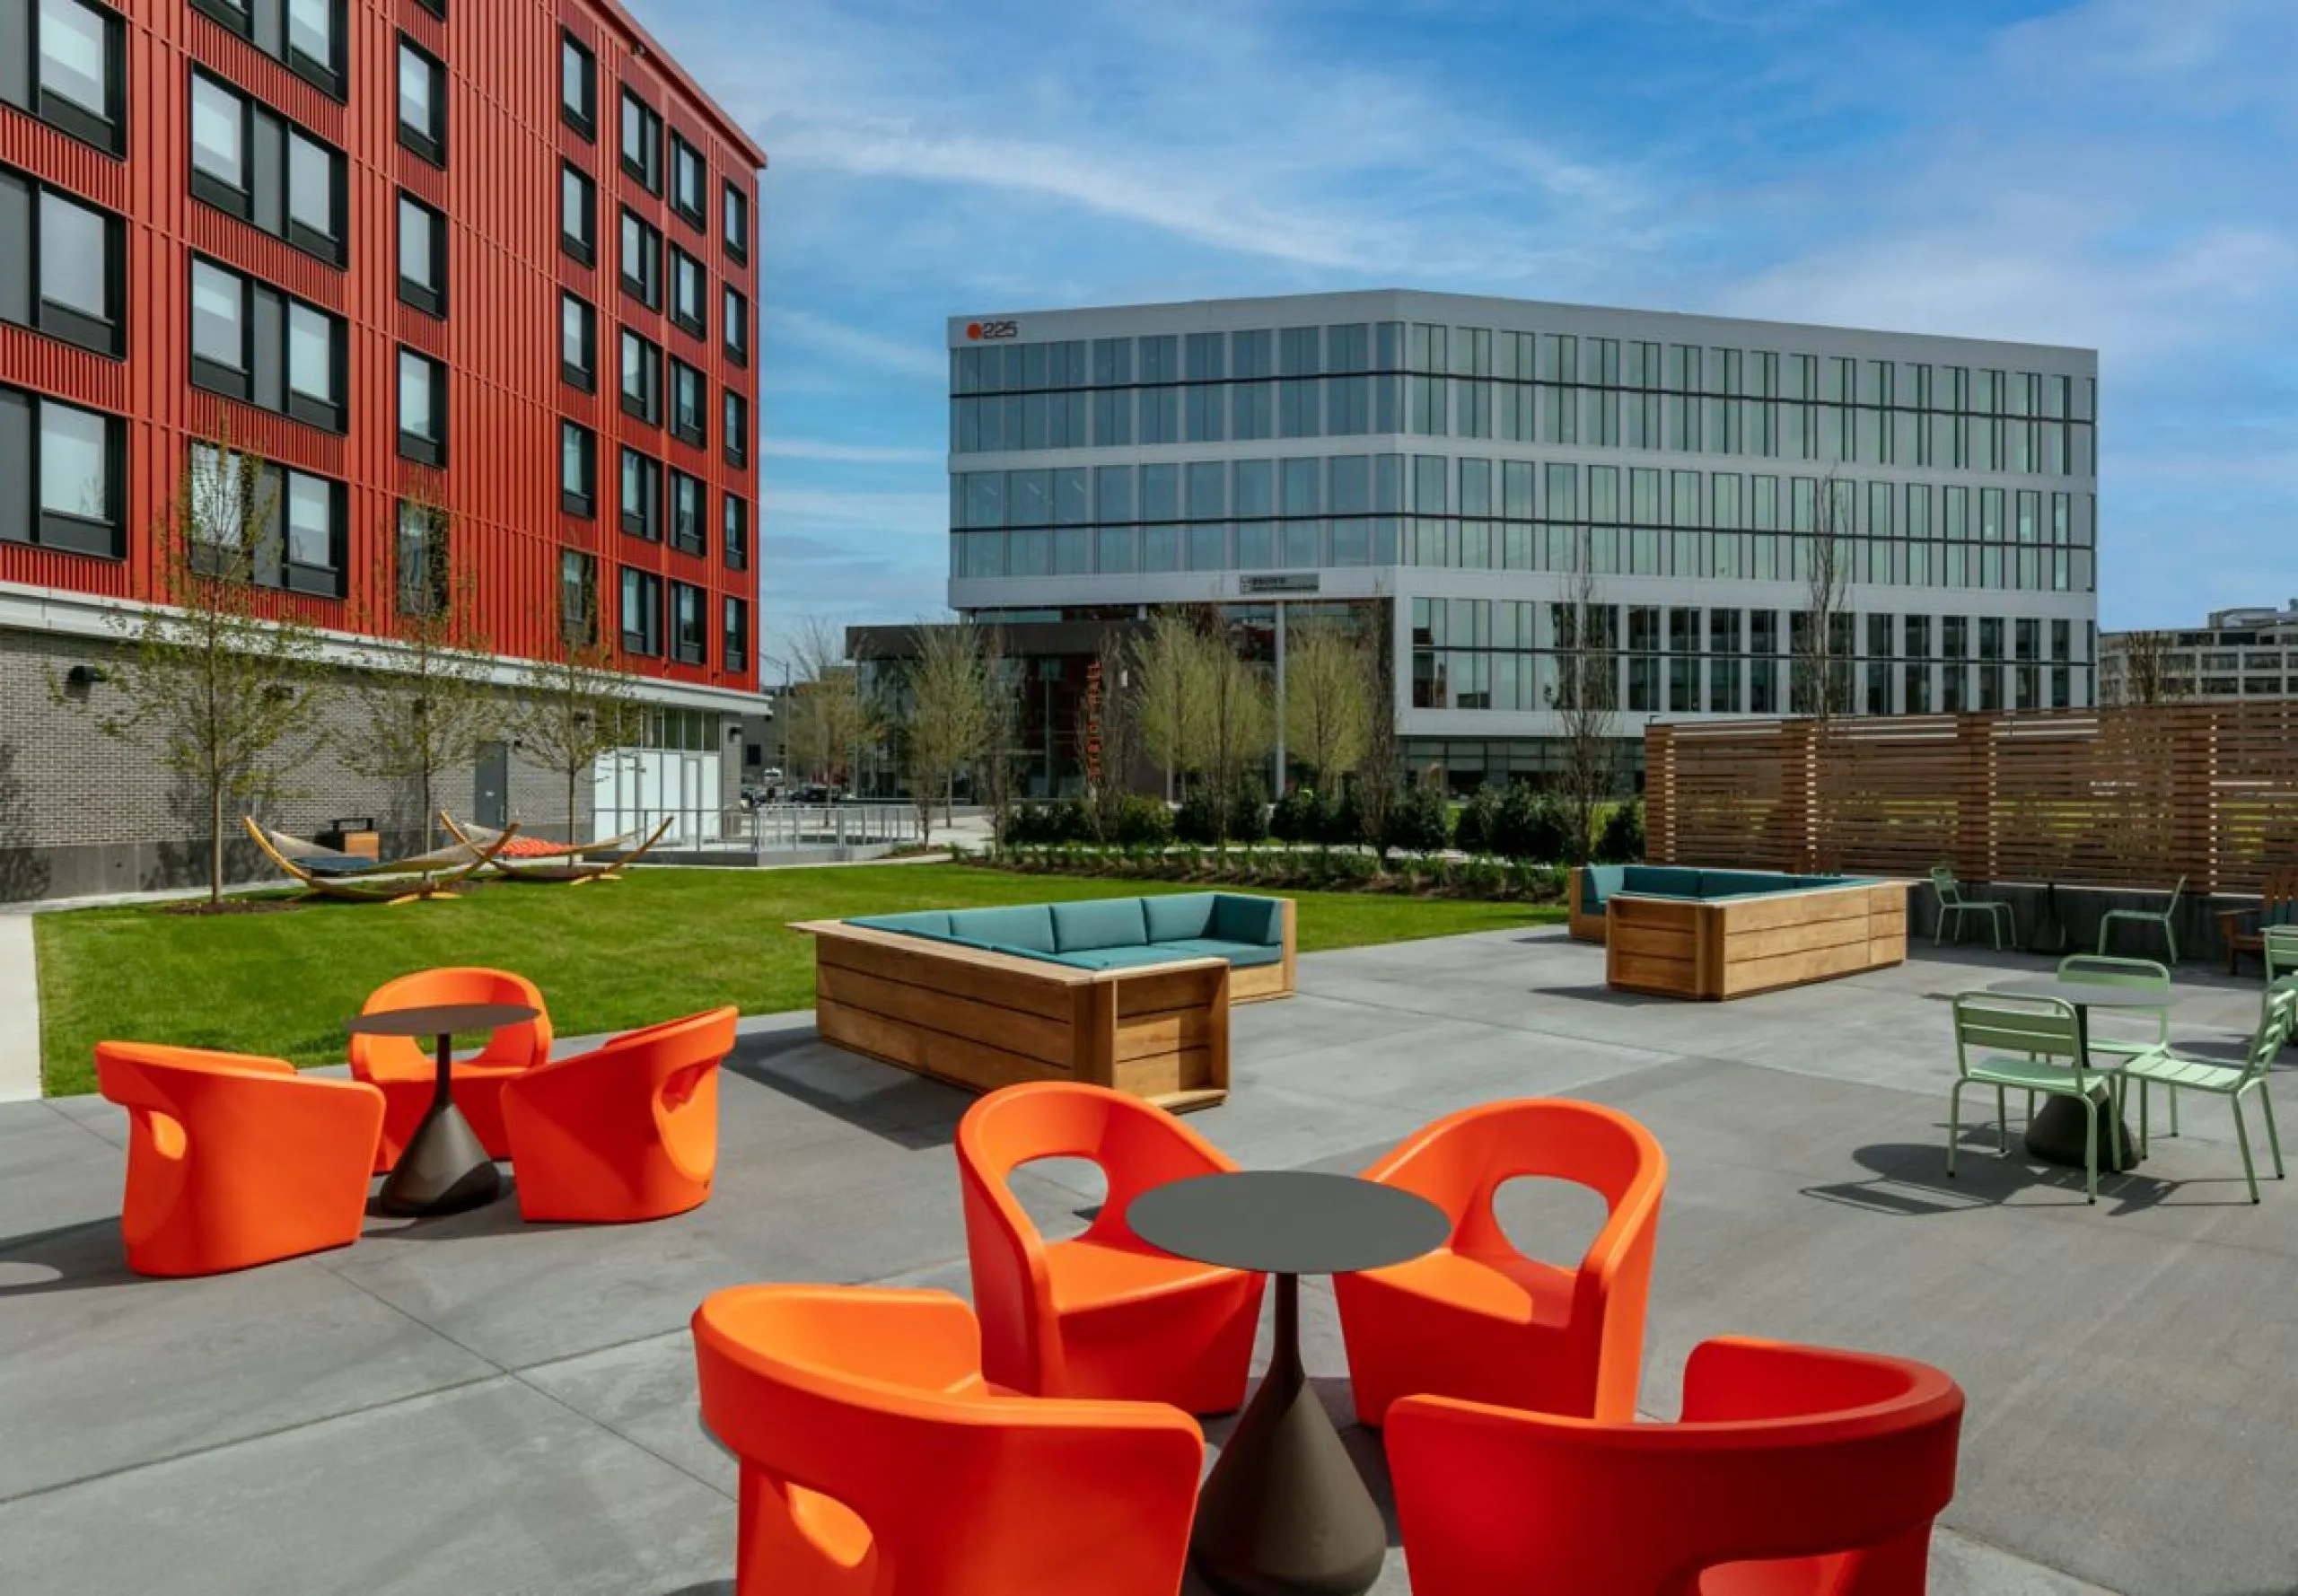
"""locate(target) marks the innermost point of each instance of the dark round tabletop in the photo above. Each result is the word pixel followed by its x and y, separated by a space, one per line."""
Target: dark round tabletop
pixel 441 1019
pixel 2096 995
pixel 1287 1221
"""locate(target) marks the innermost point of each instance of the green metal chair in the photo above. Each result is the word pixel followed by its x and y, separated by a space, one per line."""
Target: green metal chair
pixel 2145 916
pixel 2190 1072
pixel 2144 975
pixel 2034 1044
pixel 1951 902
pixel 2280 953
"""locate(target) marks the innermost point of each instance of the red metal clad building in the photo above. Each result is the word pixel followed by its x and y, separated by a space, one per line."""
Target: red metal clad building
pixel 496 254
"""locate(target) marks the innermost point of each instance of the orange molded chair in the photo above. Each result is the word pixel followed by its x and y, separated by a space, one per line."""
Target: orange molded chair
pixel 1796 1472
pixel 1106 1314
pixel 407 1067
pixel 234 1159
pixel 1476 1318
pixel 629 1132
pixel 877 1462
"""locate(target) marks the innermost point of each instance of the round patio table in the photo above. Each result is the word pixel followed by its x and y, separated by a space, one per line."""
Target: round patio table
pixel 444 1170
pixel 2055 1134
pixel 1285 1512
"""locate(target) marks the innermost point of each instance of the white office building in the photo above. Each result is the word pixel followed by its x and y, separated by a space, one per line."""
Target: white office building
pixel 1458 458
pixel 2250 653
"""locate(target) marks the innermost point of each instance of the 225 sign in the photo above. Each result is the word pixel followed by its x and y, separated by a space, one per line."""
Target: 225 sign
pixel 982 331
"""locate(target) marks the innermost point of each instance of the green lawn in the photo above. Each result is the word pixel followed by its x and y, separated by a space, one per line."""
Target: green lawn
pixel 657 945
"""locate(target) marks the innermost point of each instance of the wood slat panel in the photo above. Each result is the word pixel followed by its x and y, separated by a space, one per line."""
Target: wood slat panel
pixel 1164 990
pixel 1163 1033
pixel 1011 1030
pixel 953 1059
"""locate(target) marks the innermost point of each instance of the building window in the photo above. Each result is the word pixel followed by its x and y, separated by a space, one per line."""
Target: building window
pixel 690 182
pixel 65 61
pixel 248 160
pixel 640 261
pixel 421 562
pixel 737 423
pixel 738 329
pixel 642 379
pixel 736 644
pixel 305 36
pixel 62 476
pixel 422 256
pixel 578 598
pixel 61 266
pixel 642 142
pixel 690 404
pixel 422 408
pixel 689 642
pixel 422 103
pixel 295 521
pixel 578 86
pixel 578 214
pixel 688 289
pixel 686 535
pixel 735 528
pixel 641 612
pixel 641 496
pixel 250 342
pixel 737 222
pixel 437 8
pixel 578 470
pixel 578 342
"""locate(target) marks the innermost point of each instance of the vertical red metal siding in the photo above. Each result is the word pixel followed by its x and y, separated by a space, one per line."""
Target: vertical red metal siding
pixel 500 340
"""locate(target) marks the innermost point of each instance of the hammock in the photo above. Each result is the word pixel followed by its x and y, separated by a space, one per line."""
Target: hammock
pixel 531 859
pixel 330 873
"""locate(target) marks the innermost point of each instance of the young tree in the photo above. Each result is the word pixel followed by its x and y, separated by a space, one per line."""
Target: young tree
pixel 2141 673
pixel 830 721
pixel 1820 632
pixel 1375 787
pixel 1171 692
pixel 946 714
pixel 1239 719
pixel 580 702
pixel 428 699
pixel 1108 734
pixel 1328 715
pixel 218 674
pixel 1586 695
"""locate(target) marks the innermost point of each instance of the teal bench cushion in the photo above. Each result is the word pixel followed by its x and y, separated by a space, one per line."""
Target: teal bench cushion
pixel 1212 947
pixel 1099 923
pixel 1597 882
pixel 923 922
pixel 1171 917
pixel 1661 881
pixel 1025 926
pixel 1239 919
pixel 1119 958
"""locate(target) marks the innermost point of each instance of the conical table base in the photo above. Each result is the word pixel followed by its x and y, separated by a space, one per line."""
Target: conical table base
pixel 443 1171
pixel 1284 1511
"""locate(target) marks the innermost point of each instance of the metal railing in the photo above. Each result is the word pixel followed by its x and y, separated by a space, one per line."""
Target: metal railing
pixel 845 831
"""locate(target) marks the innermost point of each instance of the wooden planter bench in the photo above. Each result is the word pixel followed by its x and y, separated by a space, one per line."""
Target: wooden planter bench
pixel 1718 934
pixel 1155 1022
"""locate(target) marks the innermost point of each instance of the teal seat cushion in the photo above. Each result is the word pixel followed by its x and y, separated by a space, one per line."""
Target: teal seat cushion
pixel 1120 957
pixel 1597 882
pixel 2281 913
pixel 1172 915
pixel 1027 927
pixel 1238 919
pixel 1099 923
pixel 1213 947
pixel 1661 881
pixel 923 922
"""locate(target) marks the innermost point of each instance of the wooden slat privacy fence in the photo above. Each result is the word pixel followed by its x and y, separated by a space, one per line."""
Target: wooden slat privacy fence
pixel 2114 797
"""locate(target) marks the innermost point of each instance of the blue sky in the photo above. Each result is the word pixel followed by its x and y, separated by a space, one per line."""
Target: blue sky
pixel 2121 174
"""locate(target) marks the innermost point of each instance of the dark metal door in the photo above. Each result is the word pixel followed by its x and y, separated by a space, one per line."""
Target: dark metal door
pixel 491 803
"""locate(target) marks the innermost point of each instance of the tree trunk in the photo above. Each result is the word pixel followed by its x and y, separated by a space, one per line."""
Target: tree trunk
pixel 214 842
pixel 570 838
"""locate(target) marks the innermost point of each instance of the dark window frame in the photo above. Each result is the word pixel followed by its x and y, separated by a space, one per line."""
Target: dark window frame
pixel 427 588
pixel 699 542
pixel 238 16
pixel 586 375
pixel 437 8
pixel 647 405
pixel 106 130
pixel 697 434
pixel 430 451
pixel 242 383
pixel 646 641
pixel 585 248
pixel 583 119
pixel 738 248
pixel 681 652
pixel 698 325
pixel 57 530
pixel 734 633
pixel 107 336
pixel 272 564
pixel 737 428
pixel 643 521
pixel 692 216
pixel 646 168
pixel 428 143
pixel 431 301
pixel 735 313
pixel 581 501
pixel 261 121
pixel 634 287
pixel 734 531
pixel 579 625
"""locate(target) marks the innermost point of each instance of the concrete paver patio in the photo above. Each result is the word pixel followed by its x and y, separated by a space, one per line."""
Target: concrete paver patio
pixel 471 1404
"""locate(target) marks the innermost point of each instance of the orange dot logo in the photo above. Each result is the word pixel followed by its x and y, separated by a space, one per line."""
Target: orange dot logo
pixel 973 329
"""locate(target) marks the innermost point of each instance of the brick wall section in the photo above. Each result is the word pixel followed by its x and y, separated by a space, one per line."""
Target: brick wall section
pixel 81 812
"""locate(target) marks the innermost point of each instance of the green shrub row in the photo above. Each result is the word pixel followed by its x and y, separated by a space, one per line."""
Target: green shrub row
pixel 1299 869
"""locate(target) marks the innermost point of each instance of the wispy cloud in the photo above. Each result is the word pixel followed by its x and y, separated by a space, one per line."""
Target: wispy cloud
pixel 823 450
pixel 920 357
